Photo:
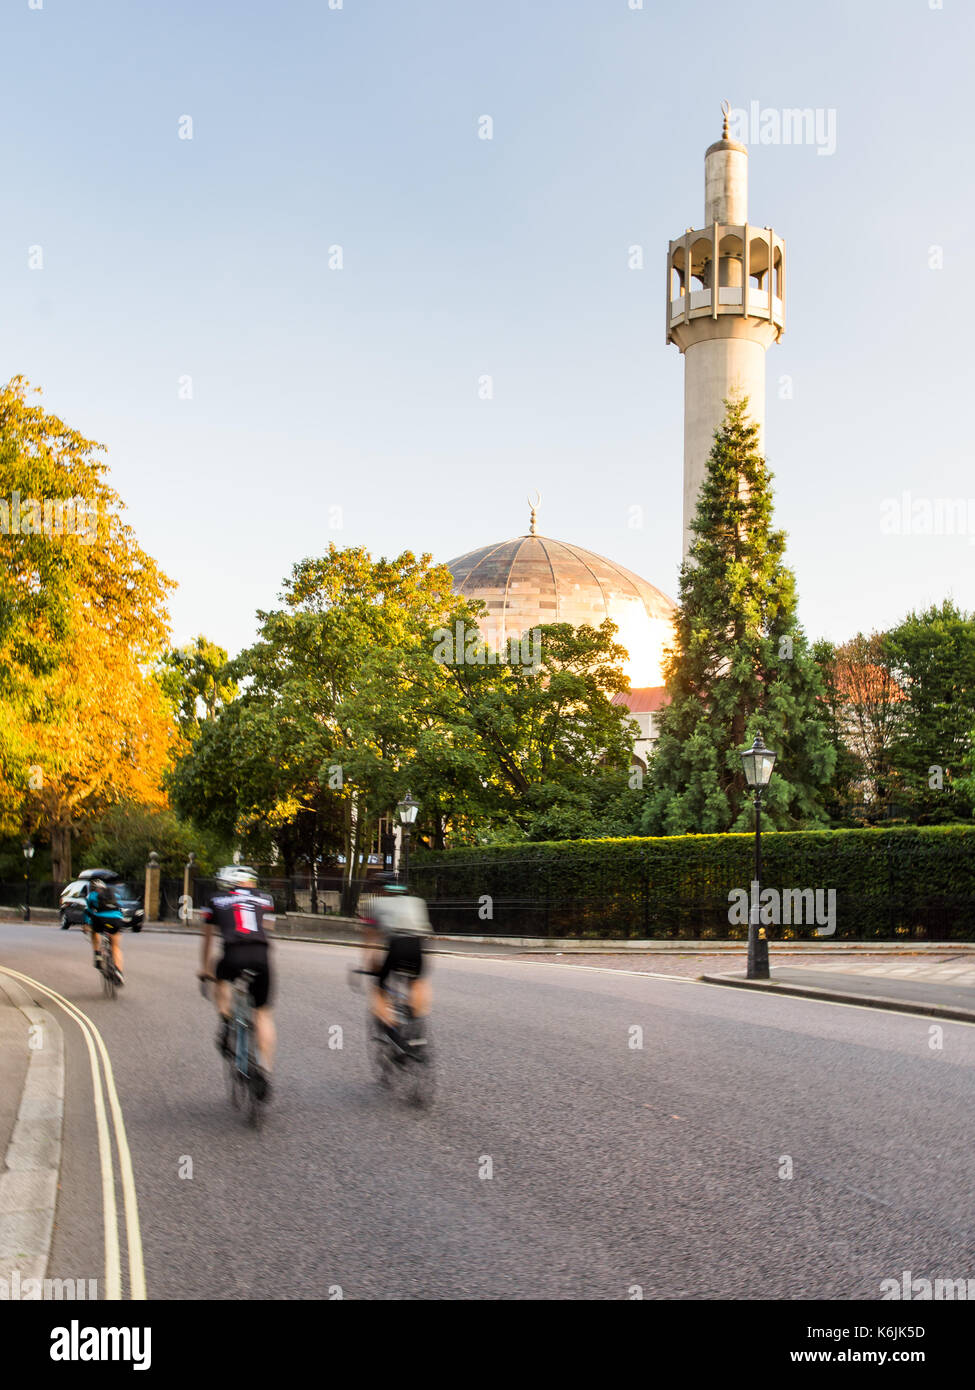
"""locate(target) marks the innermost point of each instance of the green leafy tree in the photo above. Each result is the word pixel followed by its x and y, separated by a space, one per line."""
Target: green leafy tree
pixel 125 835
pixel 741 664
pixel 194 678
pixel 932 658
pixel 552 749
pixel 346 701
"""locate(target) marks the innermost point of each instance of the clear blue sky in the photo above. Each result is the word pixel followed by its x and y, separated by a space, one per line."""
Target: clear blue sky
pixel 358 388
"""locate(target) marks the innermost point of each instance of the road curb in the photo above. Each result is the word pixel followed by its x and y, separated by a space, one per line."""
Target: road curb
pixel 837 996
pixel 295 930
pixel 32 1164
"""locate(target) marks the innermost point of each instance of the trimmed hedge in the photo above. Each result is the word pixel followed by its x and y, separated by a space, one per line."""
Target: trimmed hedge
pixel 910 882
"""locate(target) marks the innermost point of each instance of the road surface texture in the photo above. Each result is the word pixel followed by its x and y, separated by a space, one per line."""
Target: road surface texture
pixel 753 1147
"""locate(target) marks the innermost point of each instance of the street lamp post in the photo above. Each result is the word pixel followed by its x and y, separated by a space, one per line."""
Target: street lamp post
pixel 406 810
pixel 757 762
pixel 28 856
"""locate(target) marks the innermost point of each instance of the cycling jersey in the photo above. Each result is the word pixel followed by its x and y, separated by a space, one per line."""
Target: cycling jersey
pixel 398 915
pixel 107 919
pixel 239 916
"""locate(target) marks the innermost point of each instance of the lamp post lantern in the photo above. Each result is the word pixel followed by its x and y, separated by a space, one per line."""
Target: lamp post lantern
pixel 757 763
pixel 28 856
pixel 406 811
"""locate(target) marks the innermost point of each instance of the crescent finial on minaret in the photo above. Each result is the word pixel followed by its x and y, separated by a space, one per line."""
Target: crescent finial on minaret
pixel 726 112
pixel 534 506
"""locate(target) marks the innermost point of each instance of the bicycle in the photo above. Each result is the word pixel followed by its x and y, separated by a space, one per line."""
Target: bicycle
pixel 403 1061
pixel 106 964
pixel 244 1079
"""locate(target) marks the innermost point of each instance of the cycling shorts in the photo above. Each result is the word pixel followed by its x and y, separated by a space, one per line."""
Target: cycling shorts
pixel 108 925
pixel 404 956
pixel 250 955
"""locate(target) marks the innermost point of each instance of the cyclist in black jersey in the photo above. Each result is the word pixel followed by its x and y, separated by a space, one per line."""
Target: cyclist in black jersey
pixel 241 917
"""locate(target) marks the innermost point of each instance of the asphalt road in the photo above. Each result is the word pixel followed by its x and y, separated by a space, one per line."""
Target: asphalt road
pixel 612 1166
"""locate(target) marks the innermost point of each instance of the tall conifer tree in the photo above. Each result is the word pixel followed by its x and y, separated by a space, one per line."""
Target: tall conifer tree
pixel 741 664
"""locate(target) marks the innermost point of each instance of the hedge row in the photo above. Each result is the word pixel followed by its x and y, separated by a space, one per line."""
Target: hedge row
pixel 911 882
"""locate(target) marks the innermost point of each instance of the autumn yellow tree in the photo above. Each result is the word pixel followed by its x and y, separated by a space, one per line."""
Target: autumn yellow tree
pixel 83 722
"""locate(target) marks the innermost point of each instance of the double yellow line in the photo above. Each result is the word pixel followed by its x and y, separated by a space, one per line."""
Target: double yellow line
pixel 97 1049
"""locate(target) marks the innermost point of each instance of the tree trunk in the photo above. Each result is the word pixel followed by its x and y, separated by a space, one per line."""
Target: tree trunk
pixel 61 853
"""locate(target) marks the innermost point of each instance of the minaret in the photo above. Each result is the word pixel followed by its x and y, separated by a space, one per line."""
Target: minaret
pixel 722 331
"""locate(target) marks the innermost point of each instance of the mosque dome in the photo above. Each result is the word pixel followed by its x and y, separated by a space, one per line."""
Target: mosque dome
pixel 533 579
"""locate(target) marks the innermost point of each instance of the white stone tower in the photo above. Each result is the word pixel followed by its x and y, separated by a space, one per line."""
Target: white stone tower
pixel 724 323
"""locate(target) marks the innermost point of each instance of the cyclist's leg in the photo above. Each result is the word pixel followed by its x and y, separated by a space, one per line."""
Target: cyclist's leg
pixel 421 996
pixel 381 1003
pixel 116 939
pixel 225 972
pixel 265 1036
pixel 93 937
pixel 417 968
pixel 382 1006
pixel 222 997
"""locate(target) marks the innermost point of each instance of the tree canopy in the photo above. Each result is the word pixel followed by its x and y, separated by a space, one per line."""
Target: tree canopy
pixel 82 614
pixel 347 700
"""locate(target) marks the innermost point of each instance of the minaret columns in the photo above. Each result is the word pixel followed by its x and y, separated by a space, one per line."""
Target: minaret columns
pixel 725 307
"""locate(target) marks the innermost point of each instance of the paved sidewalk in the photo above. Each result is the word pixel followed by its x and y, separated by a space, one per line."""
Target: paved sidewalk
pixel 694 964
pixel 942 988
pixel 31 1118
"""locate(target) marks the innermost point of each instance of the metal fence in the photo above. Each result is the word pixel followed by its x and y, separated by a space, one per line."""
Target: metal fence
pixel 44 893
pixel 514 897
pixel 945 917
pixel 330 895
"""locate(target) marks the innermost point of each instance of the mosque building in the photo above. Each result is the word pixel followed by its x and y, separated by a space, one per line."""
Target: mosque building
pixel 725 308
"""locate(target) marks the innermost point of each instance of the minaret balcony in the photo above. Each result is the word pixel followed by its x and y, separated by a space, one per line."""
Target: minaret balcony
pixel 734 257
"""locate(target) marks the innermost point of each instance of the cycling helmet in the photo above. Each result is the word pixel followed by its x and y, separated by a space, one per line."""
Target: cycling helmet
pixel 390 883
pixel 236 876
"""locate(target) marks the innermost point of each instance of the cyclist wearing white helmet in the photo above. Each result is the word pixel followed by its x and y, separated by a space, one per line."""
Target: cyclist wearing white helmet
pixel 241 915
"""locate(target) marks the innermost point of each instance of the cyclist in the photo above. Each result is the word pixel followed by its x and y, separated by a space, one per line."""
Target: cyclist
pixel 242 916
pixel 104 915
pixel 395 925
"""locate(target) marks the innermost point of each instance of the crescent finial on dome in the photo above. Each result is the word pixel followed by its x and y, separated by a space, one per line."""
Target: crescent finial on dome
pixel 534 507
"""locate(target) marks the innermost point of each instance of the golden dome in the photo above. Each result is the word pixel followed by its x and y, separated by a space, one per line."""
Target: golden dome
pixel 532 580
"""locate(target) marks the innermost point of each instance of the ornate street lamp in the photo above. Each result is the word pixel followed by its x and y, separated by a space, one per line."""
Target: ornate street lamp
pixel 406 811
pixel 28 856
pixel 757 762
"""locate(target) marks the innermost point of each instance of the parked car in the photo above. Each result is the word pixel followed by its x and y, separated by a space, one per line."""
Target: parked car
pixel 72 908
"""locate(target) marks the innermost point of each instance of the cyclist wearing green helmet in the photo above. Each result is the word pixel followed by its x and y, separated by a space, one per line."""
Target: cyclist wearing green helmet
pixel 396 923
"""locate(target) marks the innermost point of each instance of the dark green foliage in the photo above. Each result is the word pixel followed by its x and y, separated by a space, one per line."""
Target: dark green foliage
pixel 741 665
pixel 890 884
pixel 931 655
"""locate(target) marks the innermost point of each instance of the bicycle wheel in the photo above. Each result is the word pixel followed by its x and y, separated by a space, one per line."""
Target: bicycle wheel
pixel 379 1050
pixel 255 1107
pixel 420 1079
pixel 238 1086
pixel 108 974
